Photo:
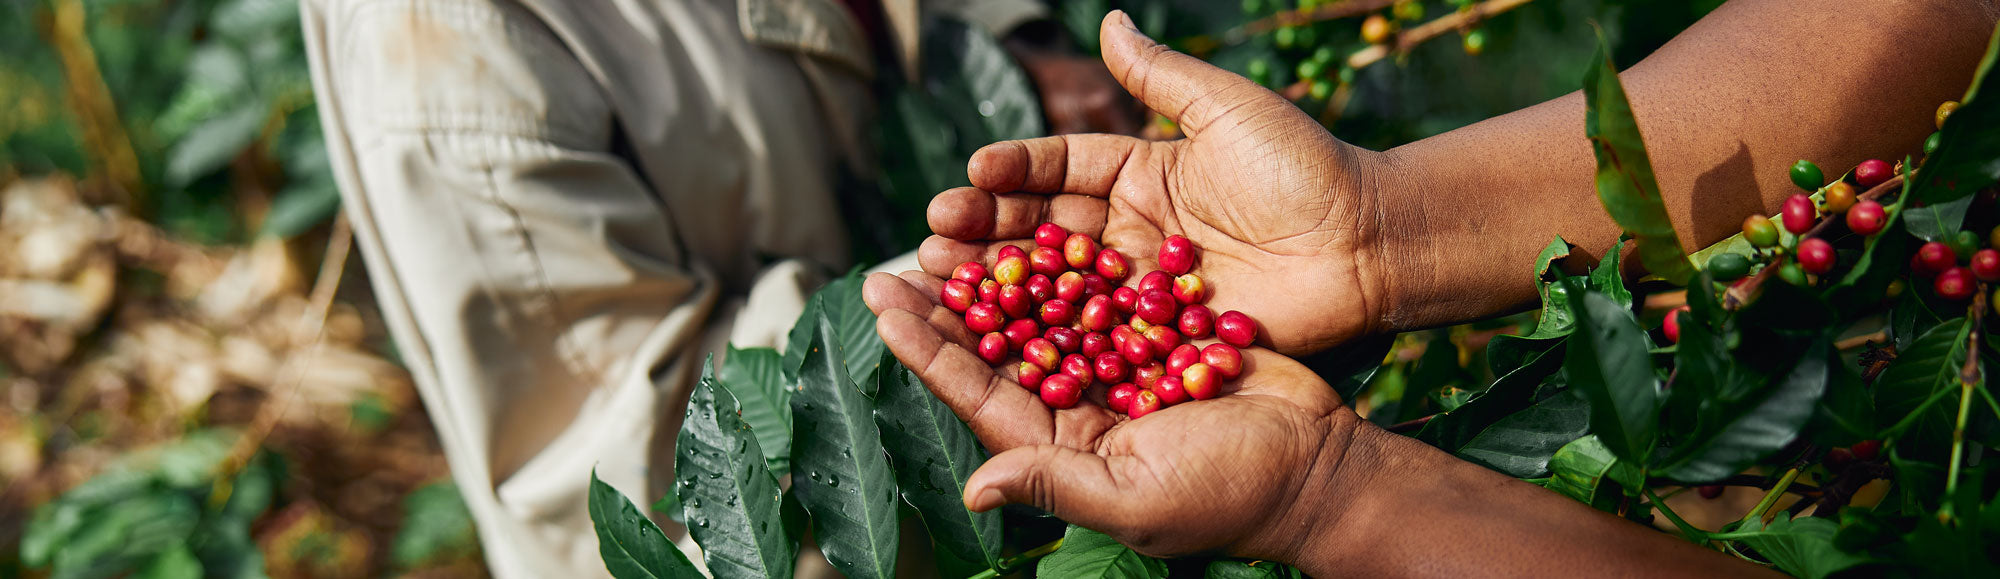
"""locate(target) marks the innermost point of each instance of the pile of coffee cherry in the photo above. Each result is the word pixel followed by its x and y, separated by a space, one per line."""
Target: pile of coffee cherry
pixel 1064 310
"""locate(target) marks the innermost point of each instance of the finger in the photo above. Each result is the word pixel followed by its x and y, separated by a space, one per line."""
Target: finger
pixel 1002 413
pixel 939 256
pixel 1080 164
pixel 1075 486
pixel 972 214
pixel 1186 89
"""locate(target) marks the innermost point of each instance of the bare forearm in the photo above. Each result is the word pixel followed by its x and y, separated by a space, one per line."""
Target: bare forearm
pixel 1725 108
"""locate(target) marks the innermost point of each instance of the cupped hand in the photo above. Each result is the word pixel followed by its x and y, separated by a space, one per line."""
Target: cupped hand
pixel 1286 217
pixel 1244 473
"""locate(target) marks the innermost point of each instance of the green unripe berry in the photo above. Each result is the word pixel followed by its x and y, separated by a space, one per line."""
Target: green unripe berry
pixel 1408 10
pixel 1309 69
pixel 1321 89
pixel 1931 143
pixel 1964 243
pixel 1807 175
pixel 1792 273
pixel 1728 266
pixel 1346 75
pixel 1253 6
pixel 1308 36
pixel 1259 71
pixel 1285 37
pixel 1760 231
pixel 1323 55
pixel 1475 41
pixel 1894 290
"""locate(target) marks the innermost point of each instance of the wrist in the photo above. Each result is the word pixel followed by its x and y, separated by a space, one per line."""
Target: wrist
pixel 1453 243
pixel 1345 477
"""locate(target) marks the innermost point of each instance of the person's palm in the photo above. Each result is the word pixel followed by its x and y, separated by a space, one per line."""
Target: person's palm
pixel 1282 212
pixel 1217 474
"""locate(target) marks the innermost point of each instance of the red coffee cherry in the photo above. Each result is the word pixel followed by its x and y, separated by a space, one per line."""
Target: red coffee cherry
pixel 1050 235
pixel 1095 343
pixel 1157 307
pixel 1838 459
pixel 1955 284
pixel 1156 281
pixel 1069 286
pixel 1110 368
pixel 1236 329
pixel 958 295
pixel 1189 289
pixel 1709 491
pixel 1113 265
pixel 1061 391
pixel 1816 256
pixel 1672 325
pixel 1873 172
pixel 993 348
pixel 1095 285
pixel 1171 391
pixel 1078 367
pixel 1015 301
pixel 1098 314
pixel 1127 299
pixel 1135 349
pixel 984 317
pixel 1040 287
pixel 1047 261
pixel 1934 258
pixel 1011 270
pixel 1119 399
pixel 1986 265
pixel 1144 403
pixel 1799 214
pixel 1041 352
pixel 1029 375
pixel 1067 340
pixel 1148 375
pixel 1224 358
pixel 1163 338
pixel 1007 251
pixel 1201 382
pixel 1867 217
pixel 1866 449
pixel 970 272
pixel 1196 321
pixel 989 292
pixel 1177 255
pixel 1018 332
pixel 1079 251
pixel 1058 312
pixel 1182 357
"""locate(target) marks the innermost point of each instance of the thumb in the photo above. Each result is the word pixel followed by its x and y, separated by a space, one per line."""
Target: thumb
pixel 1074 486
pixel 1186 89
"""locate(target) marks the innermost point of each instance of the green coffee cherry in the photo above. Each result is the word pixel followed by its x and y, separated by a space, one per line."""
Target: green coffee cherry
pixel 1321 89
pixel 1792 273
pixel 1259 71
pixel 1931 143
pixel 1309 69
pixel 1963 243
pixel 1807 175
pixel 1346 75
pixel 1323 55
pixel 1475 41
pixel 1728 266
pixel 1760 231
pixel 1253 6
pixel 1286 37
pixel 1408 10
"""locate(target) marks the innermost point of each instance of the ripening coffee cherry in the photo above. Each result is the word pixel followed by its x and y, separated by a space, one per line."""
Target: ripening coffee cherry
pixel 1144 403
pixel 1993 238
pixel 1799 214
pixel 1236 329
pixel 1838 458
pixel 1196 322
pixel 1867 217
pixel 1148 375
pixel 1944 111
pixel 1728 266
pixel 1069 286
pixel 1095 343
pixel 1078 367
pixel 1201 382
pixel 1061 391
pixel 1113 265
pixel 1986 265
pixel 1067 340
pixel 1098 314
pixel 1793 274
pixel 1171 390
pixel 1895 289
pixel 1139 326
pixel 1955 284
pixel 1157 307
pixel 1011 270
pixel 1135 349
pixel 1963 244
pixel 1709 491
pixel 1041 352
pixel 1058 312
pixel 1671 326
pixel 1007 251
pixel 1018 332
pixel 1807 175
pixel 1227 362
pixel 1815 255
pixel 1047 261
pixel 1079 251
pixel 1190 289
pixel 993 348
pixel 1095 285
pixel 1111 368
pixel 1040 288
pixel 1177 255
pixel 970 272
pixel 1759 231
pixel 1838 197
pixel 1050 235
pixel 1934 258
pixel 1375 30
pixel 1866 449
pixel 1873 172
pixel 1029 375
pixel 1015 301
pixel 984 317
pixel 1182 357
pixel 1127 299
pixel 1156 281
pixel 989 292
pixel 1163 338
pixel 958 295
pixel 1119 399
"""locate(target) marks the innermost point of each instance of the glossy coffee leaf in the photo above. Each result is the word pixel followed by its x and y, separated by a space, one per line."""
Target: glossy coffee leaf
pixel 839 469
pixel 933 454
pixel 730 499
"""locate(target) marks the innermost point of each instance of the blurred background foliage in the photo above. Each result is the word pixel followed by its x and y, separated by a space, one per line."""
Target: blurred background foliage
pixel 184 396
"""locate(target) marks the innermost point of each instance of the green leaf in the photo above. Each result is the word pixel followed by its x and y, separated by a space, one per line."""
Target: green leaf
pixel 1967 147
pixel 1608 279
pixel 631 545
pixel 1522 444
pixel 1244 569
pixel 965 66
pixel 1625 182
pixel 1554 319
pixel 1734 244
pixel 934 454
pixel 1587 471
pixel 755 379
pixel 848 486
pixel 1935 221
pixel 1846 414
pixel 1749 433
pixel 729 496
pixel 1918 391
pixel 300 208
pixel 1511 393
pixel 1087 554
pixel 1802 547
pixel 1608 362
pixel 175 563
pixel 212 144
pixel 854 325
pixel 436 526
pixel 1884 258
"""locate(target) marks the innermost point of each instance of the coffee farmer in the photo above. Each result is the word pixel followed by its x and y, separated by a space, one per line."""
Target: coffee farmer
pixel 1323 242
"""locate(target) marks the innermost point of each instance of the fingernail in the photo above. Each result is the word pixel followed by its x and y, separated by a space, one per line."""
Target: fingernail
pixel 988 499
pixel 1124 19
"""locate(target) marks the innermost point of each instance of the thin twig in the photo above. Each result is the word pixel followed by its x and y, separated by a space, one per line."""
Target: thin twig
pixel 1880 336
pixel 1409 39
pixel 1741 293
pixel 1284 18
pixel 1968 376
pixel 90 98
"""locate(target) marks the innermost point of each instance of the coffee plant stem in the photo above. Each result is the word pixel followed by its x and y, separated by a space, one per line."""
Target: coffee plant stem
pixel 1334 11
pixel 1008 564
pixel 1693 535
pixel 1412 37
pixel 1968 378
pixel 1771 498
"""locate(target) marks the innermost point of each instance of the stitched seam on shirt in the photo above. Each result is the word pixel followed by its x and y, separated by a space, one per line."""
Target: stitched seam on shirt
pixel 566 349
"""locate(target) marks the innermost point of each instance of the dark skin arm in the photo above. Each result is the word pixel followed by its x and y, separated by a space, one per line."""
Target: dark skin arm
pixel 1324 242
